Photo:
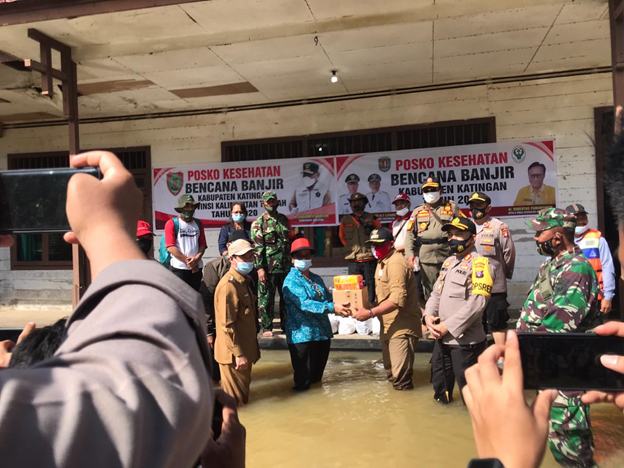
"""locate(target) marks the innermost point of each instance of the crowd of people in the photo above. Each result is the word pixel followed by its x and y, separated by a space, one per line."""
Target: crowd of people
pixel 433 270
pixel 111 384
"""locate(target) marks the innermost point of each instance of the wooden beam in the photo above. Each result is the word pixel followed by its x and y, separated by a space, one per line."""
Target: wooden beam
pixel 618 13
pixel 33 11
pixel 1 129
pixel 39 67
pixel 48 41
pixel 616 20
pixel 46 76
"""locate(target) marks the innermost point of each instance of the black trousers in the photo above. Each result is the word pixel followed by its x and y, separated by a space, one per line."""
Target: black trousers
pixel 308 360
pixel 367 270
pixel 449 363
pixel 190 278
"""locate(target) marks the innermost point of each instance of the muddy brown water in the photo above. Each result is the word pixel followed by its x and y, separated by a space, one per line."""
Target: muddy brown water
pixel 355 419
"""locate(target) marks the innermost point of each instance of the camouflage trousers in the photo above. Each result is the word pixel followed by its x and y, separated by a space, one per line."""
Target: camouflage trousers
pixel 266 300
pixel 570 436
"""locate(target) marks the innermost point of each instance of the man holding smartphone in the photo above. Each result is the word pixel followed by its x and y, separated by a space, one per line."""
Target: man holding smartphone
pixel 563 299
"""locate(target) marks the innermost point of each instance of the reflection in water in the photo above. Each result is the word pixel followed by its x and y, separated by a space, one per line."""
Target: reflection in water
pixel 355 419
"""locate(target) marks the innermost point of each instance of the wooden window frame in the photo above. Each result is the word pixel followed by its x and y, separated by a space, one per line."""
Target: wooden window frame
pixel 47 265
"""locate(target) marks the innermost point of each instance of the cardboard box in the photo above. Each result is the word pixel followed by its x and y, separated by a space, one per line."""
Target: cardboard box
pixel 356 297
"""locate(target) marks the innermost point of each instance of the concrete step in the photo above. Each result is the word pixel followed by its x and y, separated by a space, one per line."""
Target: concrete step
pixel 353 342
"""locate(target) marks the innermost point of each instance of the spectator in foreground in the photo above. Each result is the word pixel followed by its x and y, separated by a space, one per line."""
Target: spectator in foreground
pixel 499 413
pixel 130 375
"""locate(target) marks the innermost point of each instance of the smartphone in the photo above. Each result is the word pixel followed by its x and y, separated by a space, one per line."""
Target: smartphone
pixel 33 200
pixel 217 419
pixel 569 361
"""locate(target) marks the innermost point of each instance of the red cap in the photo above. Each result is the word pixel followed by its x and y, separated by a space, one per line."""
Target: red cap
pixel 301 244
pixel 143 229
pixel 401 196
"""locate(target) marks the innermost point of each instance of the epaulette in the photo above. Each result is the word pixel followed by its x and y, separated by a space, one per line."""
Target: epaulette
pixel 231 279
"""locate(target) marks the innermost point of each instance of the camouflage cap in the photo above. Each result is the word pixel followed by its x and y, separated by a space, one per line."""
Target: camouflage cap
pixel 266 196
pixel 549 218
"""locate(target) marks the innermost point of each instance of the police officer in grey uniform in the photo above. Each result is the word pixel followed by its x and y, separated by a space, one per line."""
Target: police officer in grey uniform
pixel 453 312
pixel 344 205
pixel 494 242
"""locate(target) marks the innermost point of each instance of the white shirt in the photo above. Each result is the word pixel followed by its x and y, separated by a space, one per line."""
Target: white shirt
pixel 379 202
pixel 398 231
pixel 187 241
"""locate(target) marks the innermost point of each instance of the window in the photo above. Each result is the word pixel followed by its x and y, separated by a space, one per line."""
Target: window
pixel 48 251
pixel 325 240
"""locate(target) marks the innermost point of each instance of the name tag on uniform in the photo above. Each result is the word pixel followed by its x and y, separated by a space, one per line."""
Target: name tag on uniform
pixel 380 272
pixel 487 240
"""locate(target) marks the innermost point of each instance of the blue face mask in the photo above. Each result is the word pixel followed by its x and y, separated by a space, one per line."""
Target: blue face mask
pixel 238 217
pixel 303 265
pixel 244 268
pixel 578 230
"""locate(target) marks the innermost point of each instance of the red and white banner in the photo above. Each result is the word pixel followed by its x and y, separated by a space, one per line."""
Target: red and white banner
pixel 501 170
pixel 304 187
pixel 519 177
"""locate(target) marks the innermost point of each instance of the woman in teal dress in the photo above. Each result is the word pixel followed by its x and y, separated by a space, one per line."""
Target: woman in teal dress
pixel 308 331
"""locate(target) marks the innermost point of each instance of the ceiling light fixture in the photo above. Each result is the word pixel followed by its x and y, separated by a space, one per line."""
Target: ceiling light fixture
pixel 334 78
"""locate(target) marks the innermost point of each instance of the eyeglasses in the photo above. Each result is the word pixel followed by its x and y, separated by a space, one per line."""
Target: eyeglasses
pixel 301 256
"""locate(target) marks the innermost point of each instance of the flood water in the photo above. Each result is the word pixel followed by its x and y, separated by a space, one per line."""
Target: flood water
pixel 355 419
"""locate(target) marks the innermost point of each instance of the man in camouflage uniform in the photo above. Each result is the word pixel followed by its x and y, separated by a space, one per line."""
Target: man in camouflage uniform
pixel 494 242
pixel 562 300
pixel 424 239
pixel 271 236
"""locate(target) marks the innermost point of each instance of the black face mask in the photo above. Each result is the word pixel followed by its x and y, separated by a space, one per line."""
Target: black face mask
pixel 545 248
pixel 358 207
pixel 145 245
pixel 478 213
pixel 458 246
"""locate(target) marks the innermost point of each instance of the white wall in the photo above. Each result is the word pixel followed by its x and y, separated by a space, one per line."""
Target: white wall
pixel 560 108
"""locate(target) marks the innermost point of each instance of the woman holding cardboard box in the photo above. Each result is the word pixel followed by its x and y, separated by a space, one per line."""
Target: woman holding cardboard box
pixel 308 331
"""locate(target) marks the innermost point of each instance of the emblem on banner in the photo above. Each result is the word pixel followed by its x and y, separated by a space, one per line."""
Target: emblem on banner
pixel 175 181
pixel 519 155
pixel 385 163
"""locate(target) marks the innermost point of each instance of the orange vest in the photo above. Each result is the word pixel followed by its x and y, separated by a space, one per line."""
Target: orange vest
pixel 590 245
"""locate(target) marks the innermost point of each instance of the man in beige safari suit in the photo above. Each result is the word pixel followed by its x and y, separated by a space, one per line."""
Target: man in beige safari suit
pixel 397 309
pixel 236 345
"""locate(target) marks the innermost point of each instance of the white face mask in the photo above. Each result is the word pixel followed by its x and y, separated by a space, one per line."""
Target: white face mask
pixel 308 181
pixel 431 197
pixel 402 212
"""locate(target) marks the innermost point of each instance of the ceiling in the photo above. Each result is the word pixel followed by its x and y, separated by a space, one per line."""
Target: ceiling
pixel 223 53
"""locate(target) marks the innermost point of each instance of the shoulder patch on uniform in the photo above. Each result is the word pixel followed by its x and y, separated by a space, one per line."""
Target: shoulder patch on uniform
pixel 447 263
pixel 482 281
pixel 467 258
pixel 410 224
pixel 231 279
pixel 504 230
